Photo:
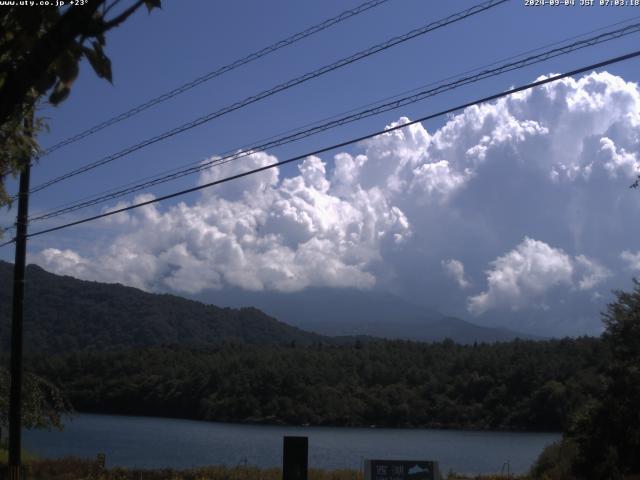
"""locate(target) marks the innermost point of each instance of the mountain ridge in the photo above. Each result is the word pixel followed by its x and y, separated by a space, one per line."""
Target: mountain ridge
pixel 63 313
pixel 355 312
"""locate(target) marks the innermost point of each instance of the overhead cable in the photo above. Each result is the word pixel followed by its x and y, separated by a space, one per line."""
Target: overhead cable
pixel 254 146
pixel 216 73
pixel 456 17
pixel 410 99
pixel 297 158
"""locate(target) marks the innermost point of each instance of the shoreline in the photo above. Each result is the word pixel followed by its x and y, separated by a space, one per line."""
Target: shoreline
pixel 284 424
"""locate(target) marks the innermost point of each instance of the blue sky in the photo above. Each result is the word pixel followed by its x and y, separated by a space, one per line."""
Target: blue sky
pixel 152 54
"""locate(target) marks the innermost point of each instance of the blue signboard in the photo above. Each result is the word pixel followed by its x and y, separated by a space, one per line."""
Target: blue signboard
pixel 401 470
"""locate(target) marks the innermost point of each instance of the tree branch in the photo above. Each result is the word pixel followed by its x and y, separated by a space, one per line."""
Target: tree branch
pixel 123 16
pixel 47 50
pixel 73 23
pixel 108 8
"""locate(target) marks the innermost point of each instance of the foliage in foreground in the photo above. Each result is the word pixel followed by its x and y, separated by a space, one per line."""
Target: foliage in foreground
pixel 607 430
pixel 40 50
pixel 76 469
pixel 43 404
pixel 80 469
pixel 602 441
pixel 555 462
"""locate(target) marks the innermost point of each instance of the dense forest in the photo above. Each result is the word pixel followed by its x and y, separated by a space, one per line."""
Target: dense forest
pixel 66 314
pixel 523 385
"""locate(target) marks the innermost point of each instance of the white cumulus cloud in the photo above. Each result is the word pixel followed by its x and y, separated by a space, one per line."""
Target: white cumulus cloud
pixel 593 273
pixel 526 272
pixel 455 269
pixel 551 166
pixel 632 260
pixel 522 276
pixel 265 233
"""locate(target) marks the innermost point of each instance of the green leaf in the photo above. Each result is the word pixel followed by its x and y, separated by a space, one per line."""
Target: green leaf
pixel 67 68
pixel 151 4
pixel 99 61
pixel 46 82
pixel 60 92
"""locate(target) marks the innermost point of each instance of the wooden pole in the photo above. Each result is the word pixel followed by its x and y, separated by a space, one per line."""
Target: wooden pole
pixel 15 395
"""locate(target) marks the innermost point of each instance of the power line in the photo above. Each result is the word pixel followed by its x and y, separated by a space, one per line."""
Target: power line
pixel 528 61
pixel 218 72
pixel 4 230
pixel 373 103
pixel 573 37
pixel 279 88
pixel 256 145
pixel 343 144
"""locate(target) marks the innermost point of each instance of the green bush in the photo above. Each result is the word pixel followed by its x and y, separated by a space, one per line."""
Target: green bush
pixel 554 463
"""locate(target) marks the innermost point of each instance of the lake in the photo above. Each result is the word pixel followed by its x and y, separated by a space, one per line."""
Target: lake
pixel 148 442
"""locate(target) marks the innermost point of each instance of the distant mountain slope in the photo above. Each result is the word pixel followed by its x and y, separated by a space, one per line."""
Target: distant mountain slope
pixel 354 312
pixel 65 314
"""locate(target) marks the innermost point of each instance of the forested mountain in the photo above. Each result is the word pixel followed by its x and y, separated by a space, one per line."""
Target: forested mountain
pixel 66 314
pixel 116 349
pixel 523 385
pixel 348 311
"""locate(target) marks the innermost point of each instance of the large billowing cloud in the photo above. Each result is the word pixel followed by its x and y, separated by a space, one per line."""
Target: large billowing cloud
pixel 414 209
pixel 530 270
pixel 259 233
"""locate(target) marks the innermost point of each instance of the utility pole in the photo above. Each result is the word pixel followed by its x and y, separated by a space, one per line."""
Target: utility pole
pixel 15 394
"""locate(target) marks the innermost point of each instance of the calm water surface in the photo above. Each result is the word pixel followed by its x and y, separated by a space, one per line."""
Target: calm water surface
pixel 147 442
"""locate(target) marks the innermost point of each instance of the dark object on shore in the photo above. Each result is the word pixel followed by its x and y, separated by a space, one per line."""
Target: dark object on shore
pixel 7 473
pixel 295 458
pixel 401 470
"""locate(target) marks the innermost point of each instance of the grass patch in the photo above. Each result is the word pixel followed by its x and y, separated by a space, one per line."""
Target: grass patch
pixel 71 468
pixel 26 456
